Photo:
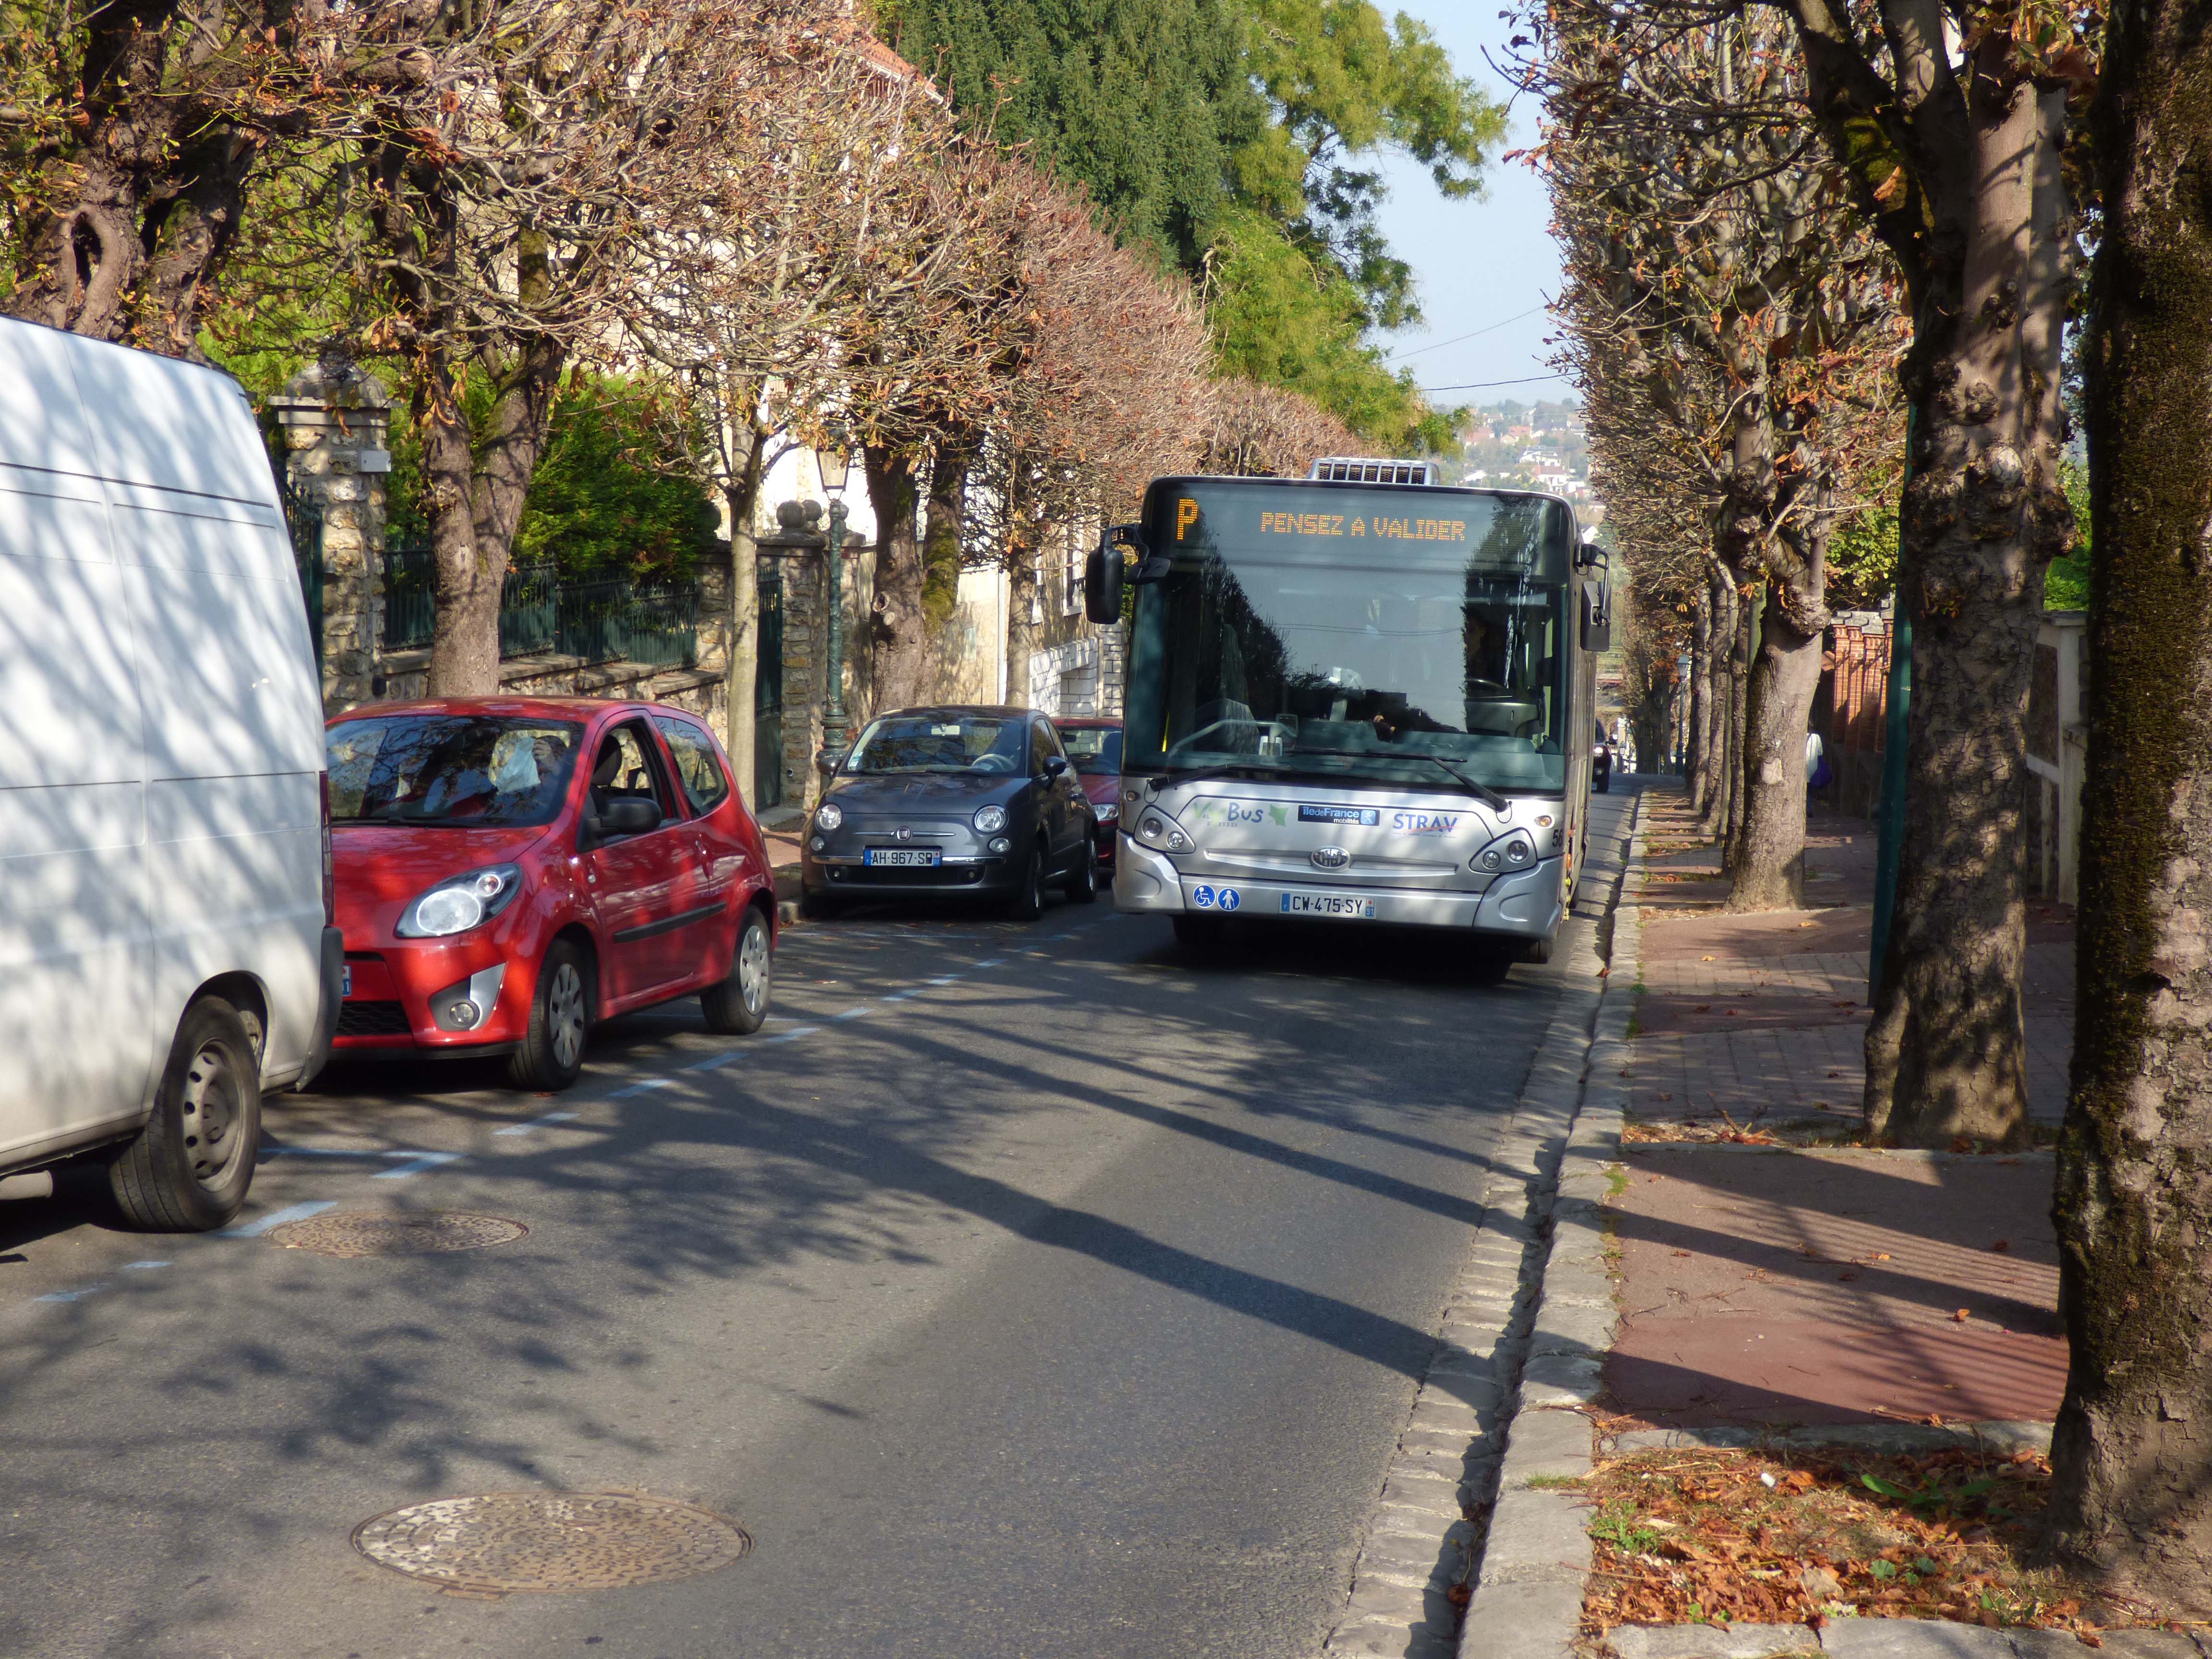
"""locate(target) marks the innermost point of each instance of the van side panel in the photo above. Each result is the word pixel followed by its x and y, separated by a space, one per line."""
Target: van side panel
pixel 234 750
pixel 42 424
pixel 76 1037
pixel 172 426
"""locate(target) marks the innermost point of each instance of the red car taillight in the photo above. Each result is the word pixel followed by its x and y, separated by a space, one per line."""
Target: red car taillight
pixel 329 868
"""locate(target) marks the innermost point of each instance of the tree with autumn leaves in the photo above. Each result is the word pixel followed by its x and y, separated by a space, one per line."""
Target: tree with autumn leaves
pixel 1970 143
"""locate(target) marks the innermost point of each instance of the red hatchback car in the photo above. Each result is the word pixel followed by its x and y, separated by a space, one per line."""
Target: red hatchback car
pixel 1095 747
pixel 510 870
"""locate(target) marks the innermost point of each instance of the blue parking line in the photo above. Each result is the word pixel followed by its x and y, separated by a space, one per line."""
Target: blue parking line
pixel 278 1217
pixel 536 1122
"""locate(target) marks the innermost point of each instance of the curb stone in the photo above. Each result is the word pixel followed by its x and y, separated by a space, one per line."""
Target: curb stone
pixel 1530 1575
pixel 1425 1534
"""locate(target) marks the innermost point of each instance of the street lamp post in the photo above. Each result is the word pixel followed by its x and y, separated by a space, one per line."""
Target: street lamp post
pixel 835 466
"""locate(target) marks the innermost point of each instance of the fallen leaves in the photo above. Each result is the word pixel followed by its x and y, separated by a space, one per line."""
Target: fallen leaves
pixel 1725 1537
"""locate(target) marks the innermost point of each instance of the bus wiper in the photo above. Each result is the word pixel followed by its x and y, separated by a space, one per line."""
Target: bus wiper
pixel 1481 792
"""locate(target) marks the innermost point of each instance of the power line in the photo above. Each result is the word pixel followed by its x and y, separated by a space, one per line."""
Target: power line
pixel 1438 345
pixel 1477 386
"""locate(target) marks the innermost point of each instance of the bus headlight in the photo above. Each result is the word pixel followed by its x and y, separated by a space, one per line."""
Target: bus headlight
pixel 1156 830
pixel 1512 851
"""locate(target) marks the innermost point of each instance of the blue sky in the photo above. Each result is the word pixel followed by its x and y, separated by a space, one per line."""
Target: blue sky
pixel 1478 262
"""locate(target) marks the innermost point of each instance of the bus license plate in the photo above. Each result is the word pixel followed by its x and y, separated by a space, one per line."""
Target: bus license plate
pixel 900 858
pixel 1328 904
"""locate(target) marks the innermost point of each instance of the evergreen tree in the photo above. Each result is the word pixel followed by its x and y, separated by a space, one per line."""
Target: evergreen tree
pixel 1225 135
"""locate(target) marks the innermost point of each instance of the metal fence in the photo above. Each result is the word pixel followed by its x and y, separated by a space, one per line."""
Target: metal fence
pixel 598 621
pixel 303 519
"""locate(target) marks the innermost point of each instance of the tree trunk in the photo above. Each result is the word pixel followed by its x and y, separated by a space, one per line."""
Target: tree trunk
pixel 1984 515
pixel 741 490
pixel 1768 869
pixel 899 643
pixel 1739 725
pixel 474 506
pixel 2131 1454
pixel 1021 627
pixel 1700 720
pixel 1713 821
pixel 944 532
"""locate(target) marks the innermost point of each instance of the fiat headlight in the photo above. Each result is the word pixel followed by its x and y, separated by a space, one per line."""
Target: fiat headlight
pixel 829 815
pixel 989 820
pixel 465 901
pixel 1108 812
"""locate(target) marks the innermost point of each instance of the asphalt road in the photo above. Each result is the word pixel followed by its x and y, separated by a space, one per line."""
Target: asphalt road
pixel 1021 1290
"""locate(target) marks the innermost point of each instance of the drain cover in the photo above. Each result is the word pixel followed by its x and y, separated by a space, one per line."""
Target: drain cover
pixel 550 1542
pixel 371 1233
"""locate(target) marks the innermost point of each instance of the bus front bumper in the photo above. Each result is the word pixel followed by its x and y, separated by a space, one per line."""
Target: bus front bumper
pixel 1523 905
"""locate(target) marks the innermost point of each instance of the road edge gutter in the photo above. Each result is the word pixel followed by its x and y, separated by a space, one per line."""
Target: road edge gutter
pixel 1535 1556
pixel 1424 1538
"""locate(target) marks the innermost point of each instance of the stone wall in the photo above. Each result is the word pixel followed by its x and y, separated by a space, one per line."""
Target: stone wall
pixel 336 420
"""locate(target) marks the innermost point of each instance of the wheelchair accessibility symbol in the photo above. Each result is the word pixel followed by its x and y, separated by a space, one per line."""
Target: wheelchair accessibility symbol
pixel 1208 898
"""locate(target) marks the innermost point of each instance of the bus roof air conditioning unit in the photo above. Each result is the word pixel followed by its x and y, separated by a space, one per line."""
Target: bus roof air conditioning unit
pixel 1360 469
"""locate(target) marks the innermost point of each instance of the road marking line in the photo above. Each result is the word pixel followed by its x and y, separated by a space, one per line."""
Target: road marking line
pixel 713 1060
pixel 853 1013
pixel 993 963
pixel 796 1031
pixel 145 1266
pixel 427 1161
pixel 70 1296
pixel 640 1088
pixel 535 1123
pixel 947 979
pixel 900 996
pixel 278 1217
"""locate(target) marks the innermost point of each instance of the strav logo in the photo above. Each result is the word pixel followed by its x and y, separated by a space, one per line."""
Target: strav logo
pixel 1426 824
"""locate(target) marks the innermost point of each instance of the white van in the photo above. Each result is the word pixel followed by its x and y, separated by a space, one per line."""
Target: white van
pixel 165 951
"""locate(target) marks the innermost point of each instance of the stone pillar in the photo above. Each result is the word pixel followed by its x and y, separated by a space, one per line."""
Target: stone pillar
pixel 337 421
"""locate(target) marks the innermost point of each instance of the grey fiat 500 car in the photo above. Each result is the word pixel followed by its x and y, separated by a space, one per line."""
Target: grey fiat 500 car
pixel 950 801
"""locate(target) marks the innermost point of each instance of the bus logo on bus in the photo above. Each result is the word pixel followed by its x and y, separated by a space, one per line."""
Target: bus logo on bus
pixel 1425 824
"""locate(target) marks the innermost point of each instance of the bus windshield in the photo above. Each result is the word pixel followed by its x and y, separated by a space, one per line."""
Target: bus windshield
pixel 1389 635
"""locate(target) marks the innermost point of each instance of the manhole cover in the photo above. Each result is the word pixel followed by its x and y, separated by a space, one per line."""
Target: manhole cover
pixel 369 1233
pixel 527 1540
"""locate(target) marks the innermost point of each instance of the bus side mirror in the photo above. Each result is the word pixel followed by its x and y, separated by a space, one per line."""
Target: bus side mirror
pixel 1597 618
pixel 1104 575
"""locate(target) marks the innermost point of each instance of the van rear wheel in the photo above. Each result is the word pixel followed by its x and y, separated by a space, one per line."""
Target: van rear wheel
pixel 189 1167
pixel 551 1055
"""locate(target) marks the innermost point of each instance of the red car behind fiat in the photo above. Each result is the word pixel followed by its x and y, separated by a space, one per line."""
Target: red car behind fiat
pixel 1095 747
pixel 511 870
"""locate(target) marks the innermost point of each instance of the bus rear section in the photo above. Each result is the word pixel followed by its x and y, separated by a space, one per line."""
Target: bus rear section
pixel 1355 703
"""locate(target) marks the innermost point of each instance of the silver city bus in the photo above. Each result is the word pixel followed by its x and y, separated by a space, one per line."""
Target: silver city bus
pixel 1355 700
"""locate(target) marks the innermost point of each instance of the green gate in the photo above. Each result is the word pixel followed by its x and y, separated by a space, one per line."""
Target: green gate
pixel 304 519
pixel 768 695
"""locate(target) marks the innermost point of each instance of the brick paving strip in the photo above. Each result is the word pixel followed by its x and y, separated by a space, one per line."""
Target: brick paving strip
pixel 1919 1285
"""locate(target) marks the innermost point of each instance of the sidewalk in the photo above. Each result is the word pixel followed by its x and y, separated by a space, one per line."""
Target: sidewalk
pixel 1784 1286
pixel 1763 1017
pixel 1785 1393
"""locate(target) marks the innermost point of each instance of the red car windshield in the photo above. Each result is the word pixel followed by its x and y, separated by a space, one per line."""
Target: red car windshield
pixel 468 770
pixel 1094 750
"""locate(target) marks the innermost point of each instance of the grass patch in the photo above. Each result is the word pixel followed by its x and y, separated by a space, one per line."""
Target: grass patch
pixel 1689 1537
pixel 1554 1482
